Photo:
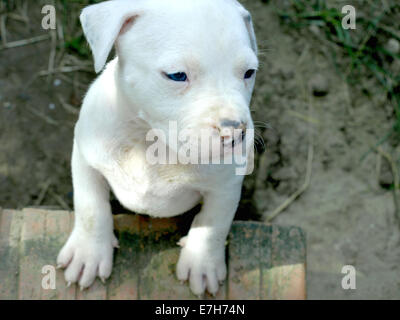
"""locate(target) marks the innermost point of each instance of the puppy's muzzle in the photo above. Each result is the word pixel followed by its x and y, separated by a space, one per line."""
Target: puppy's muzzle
pixel 232 132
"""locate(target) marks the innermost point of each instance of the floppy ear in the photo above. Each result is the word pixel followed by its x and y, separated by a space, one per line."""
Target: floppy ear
pixel 249 25
pixel 250 28
pixel 103 22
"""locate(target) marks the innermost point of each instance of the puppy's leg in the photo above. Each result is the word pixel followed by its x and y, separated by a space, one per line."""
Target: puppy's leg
pixel 202 258
pixel 89 249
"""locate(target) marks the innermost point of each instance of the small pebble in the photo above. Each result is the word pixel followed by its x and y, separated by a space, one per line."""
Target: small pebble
pixel 7 105
pixel 314 29
pixel 52 106
pixel 386 179
pixel 319 85
pixel 393 46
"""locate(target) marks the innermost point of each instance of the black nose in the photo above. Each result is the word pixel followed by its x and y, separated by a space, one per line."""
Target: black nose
pixel 228 134
pixel 230 123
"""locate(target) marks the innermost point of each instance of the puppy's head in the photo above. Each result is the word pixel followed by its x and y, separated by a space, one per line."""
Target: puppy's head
pixel 190 62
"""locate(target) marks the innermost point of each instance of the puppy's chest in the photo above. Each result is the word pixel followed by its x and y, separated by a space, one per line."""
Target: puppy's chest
pixel 157 190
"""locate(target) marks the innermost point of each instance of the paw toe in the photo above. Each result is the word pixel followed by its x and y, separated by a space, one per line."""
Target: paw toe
pixel 88 275
pixel 212 282
pixel 221 272
pixel 73 271
pixel 182 242
pixel 197 283
pixel 64 258
pixel 105 269
pixel 182 271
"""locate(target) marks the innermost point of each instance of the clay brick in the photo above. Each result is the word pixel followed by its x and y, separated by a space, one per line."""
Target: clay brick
pixel 265 255
pixel 10 231
pixel 158 280
pixel 288 263
pixel 285 282
pixel 123 284
pixel 97 291
pixel 268 262
pixel 33 249
pixel 126 223
pixel 264 262
pixel 125 288
pixel 162 225
pixel 57 231
pixel 244 257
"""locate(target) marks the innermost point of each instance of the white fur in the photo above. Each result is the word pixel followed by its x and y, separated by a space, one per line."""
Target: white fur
pixel 213 42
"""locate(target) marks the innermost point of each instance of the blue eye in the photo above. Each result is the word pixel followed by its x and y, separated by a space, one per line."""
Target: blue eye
pixel 249 73
pixel 178 76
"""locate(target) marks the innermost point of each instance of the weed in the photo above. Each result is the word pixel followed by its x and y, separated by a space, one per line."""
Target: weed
pixel 363 49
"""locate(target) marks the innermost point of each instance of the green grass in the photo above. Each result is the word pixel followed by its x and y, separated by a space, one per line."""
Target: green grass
pixel 363 49
pixel 74 38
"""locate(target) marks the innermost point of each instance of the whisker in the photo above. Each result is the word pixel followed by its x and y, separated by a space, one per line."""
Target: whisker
pixel 262 124
pixel 259 141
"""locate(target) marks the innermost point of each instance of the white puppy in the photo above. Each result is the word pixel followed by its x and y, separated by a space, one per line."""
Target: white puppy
pixel 188 61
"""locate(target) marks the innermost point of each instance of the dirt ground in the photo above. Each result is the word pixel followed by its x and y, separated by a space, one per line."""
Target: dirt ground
pixel 347 212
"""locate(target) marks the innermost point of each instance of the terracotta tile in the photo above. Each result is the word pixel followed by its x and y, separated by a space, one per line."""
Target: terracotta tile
pixel 10 231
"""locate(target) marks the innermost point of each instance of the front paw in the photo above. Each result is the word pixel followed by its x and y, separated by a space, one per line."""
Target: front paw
pixel 204 269
pixel 84 257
